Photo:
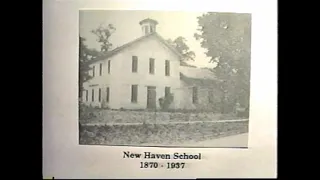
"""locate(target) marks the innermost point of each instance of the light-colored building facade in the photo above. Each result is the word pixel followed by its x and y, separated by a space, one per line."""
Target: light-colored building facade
pixel 137 74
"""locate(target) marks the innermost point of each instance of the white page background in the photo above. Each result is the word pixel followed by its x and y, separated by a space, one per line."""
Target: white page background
pixel 63 157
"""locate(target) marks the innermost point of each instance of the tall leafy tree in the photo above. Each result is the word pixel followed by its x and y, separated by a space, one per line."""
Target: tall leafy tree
pixel 85 55
pixel 103 33
pixel 227 38
pixel 180 44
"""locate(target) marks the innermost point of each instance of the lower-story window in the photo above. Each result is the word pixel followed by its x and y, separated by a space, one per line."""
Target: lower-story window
pixel 92 95
pixel 195 95
pixel 210 96
pixel 134 93
pixel 108 94
pixel 86 95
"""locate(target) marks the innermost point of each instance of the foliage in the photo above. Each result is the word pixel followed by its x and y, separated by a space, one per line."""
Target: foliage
pixel 85 55
pixel 103 34
pixel 227 38
pixel 242 112
pixel 165 102
pixel 158 134
pixel 86 113
pixel 180 45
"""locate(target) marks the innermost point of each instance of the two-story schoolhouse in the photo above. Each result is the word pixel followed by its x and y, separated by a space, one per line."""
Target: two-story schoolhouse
pixel 137 74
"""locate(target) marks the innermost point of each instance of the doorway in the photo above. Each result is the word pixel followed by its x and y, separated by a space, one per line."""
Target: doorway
pixel 151 97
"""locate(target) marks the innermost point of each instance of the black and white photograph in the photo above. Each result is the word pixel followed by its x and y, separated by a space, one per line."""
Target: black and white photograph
pixel 147 79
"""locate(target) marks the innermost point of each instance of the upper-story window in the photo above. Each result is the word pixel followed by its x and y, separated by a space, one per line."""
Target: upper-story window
pixel 100 69
pixel 134 64
pixel 167 68
pixel 151 66
pixel 93 71
pixel 109 66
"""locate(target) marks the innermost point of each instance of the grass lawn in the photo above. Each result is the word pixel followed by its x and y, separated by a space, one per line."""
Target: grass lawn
pixel 111 116
pixel 158 134
pixel 134 128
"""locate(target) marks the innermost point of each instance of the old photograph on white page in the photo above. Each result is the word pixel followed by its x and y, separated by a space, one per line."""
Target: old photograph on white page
pixel 146 81
pixel 159 89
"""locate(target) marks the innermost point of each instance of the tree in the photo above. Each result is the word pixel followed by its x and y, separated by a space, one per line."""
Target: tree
pixel 180 45
pixel 227 37
pixel 103 34
pixel 85 55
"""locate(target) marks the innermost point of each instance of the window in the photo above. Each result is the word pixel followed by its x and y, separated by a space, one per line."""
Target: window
pixel 92 95
pixel 167 68
pixel 134 93
pixel 93 73
pixel 99 94
pixel 87 94
pixel 100 69
pixel 134 64
pixel 151 29
pixel 108 94
pixel 146 28
pixel 109 66
pixel 83 95
pixel 210 96
pixel 151 66
pixel 166 91
pixel 194 95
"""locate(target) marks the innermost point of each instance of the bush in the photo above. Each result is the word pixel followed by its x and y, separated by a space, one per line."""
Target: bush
pixel 86 113
pixel 165 102
pixel 243 113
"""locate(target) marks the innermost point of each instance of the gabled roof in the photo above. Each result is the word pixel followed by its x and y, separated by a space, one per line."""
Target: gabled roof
pixel 197 73
pixel 182 63
pixel 119 49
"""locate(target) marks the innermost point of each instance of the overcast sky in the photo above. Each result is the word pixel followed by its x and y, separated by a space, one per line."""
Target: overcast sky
pixel 171 25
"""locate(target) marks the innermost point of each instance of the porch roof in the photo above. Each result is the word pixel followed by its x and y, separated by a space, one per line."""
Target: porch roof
pixel 197 73
pixel 198 76
pixel 201 82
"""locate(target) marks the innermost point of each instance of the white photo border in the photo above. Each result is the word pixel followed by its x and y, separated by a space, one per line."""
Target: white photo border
pixel 65 158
